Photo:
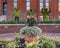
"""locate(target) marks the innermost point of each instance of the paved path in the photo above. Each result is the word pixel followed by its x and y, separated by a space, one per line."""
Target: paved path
pixel 12 35
pixel 56 35
pixel 9 36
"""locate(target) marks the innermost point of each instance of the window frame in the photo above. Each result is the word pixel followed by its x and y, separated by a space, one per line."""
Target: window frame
pixel 5 8
pixel 41 6
pixel 15 3
pixel 59 5
pixel 47 4
pixel 27 6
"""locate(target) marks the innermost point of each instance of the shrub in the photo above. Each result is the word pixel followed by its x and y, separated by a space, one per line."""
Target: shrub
pixel 4 41
pixel 46 21
pixel 13 22
pixel 43 42
pixel 11 45
pixel 50 21
pixel 45 12
pixel 56 21
pixel 46 43
pixel 32 45
pixel 25 22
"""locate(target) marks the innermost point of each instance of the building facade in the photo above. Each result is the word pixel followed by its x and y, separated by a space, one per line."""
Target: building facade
pixel 7 7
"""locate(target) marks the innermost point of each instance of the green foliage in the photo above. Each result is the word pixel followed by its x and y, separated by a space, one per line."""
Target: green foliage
pixel 43 42
pixel 56 21
pixel 49 21
pixel 24 22
pixel 30 12
pixel 32 45
pixel 11 45
pixel 45 12
pixel 46 22
pixel 31 31
pixel 4 41
pixel 16 12
pixel 13 22
pixel 46 43
pixel 16 38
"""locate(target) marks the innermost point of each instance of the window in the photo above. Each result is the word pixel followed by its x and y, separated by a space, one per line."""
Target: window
pixel 59 17
pixel 5 8
pixel 59 5
pixel 15 3
pixel 41 4
pixel 47 3
pixel 15 0
pixel 27 4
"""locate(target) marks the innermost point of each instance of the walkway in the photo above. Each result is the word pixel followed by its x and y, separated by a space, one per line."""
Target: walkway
pixel 12 35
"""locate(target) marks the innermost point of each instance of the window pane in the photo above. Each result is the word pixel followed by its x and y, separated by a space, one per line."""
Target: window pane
pixel 28 3
pixel 28 0
pixel 47 1
pixel 15 5
pixel 47 4
pixel 4 8
pixel 28 8
pixel 15 0
pixel 59 8
pixel 41 4
pixel 59 4
pixel 41 1
pixel 59 1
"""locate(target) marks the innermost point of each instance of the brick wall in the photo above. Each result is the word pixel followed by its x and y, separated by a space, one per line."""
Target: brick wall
pixel 10 8
pixel 0 7
pixel 54 14
pixel 10 28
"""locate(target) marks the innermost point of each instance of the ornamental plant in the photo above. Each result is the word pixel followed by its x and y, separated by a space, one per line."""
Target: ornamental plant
pixel 45 12
pixel 16 14
pixel 31 31
pixel 31 20
pixel 30 13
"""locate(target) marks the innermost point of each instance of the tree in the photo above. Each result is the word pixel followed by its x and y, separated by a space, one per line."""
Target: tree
pixel 16 14
pixel 45 12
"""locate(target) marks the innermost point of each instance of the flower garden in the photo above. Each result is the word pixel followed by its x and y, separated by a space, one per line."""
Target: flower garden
pixel 42 42
pixel 31 36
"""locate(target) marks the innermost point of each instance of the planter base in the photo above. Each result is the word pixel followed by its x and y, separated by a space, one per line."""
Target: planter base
pixel 30 39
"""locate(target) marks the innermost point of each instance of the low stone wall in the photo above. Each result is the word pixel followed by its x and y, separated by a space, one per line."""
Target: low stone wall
pixel 15 28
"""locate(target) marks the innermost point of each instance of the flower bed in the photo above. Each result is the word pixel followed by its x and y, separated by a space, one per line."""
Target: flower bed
pixel 25 21
pixel 43 42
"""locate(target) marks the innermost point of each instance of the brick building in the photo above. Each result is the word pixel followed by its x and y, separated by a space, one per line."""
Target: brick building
pixel 7 6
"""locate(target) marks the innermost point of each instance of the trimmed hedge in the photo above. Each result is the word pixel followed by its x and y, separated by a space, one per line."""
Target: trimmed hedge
pixel 49 22
pixel 43 42
pixel 25 21
pixel 13 22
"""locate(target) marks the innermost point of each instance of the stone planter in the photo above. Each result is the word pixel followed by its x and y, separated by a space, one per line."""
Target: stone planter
pixel 2 45
pixel 30 39
pixel 58 46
